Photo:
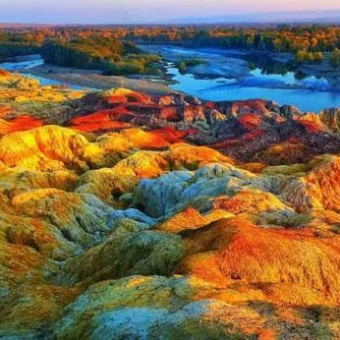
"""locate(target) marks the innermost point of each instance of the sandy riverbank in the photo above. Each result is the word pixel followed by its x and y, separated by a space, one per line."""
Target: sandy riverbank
pixel 95 80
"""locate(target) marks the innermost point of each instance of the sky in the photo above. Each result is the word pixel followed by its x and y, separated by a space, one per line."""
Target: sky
pixel 146 11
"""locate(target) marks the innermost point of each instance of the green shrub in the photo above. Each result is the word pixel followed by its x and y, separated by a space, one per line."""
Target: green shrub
pixel 185 64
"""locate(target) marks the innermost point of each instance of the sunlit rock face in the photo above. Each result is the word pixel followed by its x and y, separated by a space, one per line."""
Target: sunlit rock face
pixel 129 216
pixel 160 307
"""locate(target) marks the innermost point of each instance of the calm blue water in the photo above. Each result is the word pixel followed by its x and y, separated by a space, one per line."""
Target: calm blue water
pixel 31 62
pixel 308 94
pixel 312 94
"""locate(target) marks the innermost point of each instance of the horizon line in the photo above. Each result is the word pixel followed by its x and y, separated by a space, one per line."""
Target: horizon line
pixel 200 20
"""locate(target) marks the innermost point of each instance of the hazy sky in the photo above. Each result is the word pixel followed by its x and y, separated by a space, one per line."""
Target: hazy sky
pixel 136 11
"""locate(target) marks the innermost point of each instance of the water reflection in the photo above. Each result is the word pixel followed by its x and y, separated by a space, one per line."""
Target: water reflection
pixel 308 94
pixel 277 80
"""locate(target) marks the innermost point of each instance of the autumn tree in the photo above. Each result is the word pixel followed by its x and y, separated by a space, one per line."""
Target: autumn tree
pixel 334 58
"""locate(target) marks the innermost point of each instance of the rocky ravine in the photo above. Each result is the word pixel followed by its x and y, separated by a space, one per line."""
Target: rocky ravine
pixel 139 217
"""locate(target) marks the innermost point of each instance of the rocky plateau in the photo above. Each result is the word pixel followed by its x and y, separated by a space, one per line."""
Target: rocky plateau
pixel 130 216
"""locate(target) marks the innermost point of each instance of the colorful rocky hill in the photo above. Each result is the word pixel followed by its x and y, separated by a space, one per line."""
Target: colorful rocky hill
pixel 129 216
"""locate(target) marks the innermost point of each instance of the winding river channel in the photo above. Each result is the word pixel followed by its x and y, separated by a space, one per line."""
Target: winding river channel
pixel 228 76
pixel 224 77
pixel 28 62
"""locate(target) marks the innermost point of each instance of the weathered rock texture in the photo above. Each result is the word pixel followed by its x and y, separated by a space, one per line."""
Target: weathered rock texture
pixel 164 217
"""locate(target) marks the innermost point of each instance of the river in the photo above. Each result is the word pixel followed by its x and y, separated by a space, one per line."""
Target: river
pixel 224 76
pixel 229 76
pixel 26 63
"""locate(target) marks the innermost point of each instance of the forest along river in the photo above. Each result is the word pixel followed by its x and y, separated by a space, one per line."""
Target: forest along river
pixel 31 61
pixel 229 75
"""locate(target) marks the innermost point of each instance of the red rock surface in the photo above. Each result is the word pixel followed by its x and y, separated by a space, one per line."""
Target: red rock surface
pixel 166 216
pixel 21 123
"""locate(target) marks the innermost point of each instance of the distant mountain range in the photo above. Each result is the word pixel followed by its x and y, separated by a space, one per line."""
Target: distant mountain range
pixel 320 16
pixel 291 17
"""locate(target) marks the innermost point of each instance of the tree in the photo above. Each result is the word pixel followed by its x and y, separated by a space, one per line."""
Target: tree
pixel 300 56
pixel 318 57
pixel 334 58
